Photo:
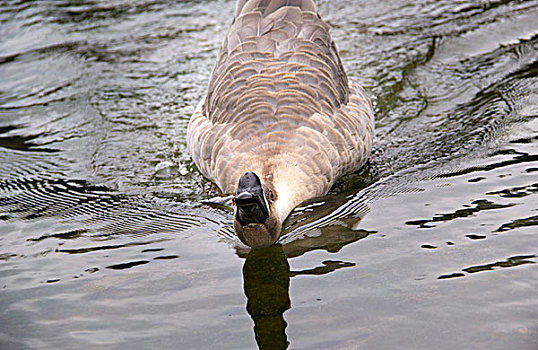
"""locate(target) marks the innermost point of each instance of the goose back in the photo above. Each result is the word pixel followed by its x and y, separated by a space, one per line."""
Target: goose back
pixel 279 103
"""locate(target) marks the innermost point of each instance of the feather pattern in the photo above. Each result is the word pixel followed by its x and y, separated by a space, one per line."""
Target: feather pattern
pixel 280 104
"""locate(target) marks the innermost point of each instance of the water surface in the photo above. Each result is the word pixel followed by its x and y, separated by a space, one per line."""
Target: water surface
pixel 106 238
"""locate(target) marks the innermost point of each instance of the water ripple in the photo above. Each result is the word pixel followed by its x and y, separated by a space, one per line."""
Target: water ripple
pixel 103 215
pixel 510 262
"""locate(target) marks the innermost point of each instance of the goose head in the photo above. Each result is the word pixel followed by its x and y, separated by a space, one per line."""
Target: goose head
pixel 256 222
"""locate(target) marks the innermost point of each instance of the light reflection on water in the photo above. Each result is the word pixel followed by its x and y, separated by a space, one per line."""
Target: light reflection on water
pixel 105 238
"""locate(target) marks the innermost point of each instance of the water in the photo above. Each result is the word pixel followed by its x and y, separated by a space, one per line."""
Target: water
pixel 106 239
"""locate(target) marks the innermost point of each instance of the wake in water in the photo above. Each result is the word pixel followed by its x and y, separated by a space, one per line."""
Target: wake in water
pixel 444 104
pixel 106 238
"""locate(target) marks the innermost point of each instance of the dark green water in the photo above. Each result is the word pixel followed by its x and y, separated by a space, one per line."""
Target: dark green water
pixel 105 240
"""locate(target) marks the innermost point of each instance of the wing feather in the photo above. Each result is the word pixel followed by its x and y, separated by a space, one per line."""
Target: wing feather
pixel 279 93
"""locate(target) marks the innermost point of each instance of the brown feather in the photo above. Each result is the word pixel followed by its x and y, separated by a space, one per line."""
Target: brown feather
pixel 280 104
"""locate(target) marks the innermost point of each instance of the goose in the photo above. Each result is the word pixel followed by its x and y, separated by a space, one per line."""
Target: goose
pixel 280 121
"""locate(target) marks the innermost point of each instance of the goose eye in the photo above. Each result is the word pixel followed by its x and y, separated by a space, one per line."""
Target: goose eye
pixel 271 195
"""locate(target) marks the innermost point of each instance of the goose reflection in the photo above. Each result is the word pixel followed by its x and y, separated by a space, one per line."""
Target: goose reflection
pixel 267 274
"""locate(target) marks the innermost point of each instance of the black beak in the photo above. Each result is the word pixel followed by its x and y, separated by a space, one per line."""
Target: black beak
pixel 250 200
